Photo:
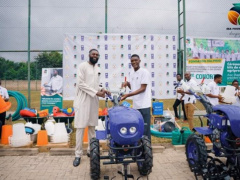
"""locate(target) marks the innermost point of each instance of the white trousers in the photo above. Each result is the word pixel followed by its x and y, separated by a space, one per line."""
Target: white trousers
pixel 79 139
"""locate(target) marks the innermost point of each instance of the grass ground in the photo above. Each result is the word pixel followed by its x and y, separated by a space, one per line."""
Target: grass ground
pixel 35 103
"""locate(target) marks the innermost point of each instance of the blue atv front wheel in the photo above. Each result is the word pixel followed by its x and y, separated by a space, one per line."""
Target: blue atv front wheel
pixel 145 167
pixel 196 151
pixel 94 159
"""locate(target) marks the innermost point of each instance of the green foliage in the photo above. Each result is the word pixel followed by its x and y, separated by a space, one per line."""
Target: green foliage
pixel 19 70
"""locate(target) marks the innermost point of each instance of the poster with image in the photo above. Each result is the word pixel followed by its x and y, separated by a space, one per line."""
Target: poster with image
pixel 207 57
pixel 158 54
pixel 51 88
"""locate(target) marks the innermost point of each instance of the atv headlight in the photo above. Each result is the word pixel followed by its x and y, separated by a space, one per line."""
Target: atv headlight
pixel 123 130
pixel 132 130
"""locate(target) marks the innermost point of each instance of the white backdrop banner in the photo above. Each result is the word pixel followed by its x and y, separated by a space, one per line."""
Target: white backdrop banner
pixel 158 54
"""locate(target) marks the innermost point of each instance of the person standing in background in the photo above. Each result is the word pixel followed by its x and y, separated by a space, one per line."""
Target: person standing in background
pixel 214 96
pixel 189 99
pixel 5 97
pixel 195 51
pixel 179 99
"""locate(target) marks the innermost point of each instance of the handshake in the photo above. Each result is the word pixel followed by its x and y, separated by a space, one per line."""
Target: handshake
pixel 102 93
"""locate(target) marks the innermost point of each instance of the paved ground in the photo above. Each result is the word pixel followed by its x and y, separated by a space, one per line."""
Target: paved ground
pixel 170 164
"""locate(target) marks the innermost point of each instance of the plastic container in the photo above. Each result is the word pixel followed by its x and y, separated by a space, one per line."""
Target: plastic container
pixel 42 138
pixel 60 134
pixel 187 132
pixel 157 108
pixel 49 126
pixel 177 137
pixel 19 130
pixel 6 132
pixel 36 127
pixel 19 141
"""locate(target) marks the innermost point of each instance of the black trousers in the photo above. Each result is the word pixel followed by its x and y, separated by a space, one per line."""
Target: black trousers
pixel 146 113
pixel 2 121
pixel 175 105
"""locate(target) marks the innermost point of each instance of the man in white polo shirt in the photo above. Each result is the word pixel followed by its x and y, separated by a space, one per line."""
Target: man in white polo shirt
pixel 189 99
pixel 214 97
pixel 139 83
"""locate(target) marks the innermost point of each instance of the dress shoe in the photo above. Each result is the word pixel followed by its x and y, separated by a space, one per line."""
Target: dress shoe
pixel 88 154
pixel 76 161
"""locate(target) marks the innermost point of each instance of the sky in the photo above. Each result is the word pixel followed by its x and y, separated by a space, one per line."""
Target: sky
pixel 51 19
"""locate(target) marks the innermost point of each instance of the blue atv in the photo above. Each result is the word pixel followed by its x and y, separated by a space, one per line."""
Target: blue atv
pixel 223 129
pixel 124 132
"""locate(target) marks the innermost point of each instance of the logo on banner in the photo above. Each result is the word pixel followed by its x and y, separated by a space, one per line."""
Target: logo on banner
pixel 167 92
pixel 167 74
pixel 167 83
pixel 121 37
pixel 145 65
pixel 153 93
pixel 166 46
pixel 122 65
pixel 174 92
pixel 173 38
pixel 152 47
pixel 145 37
pixel 90 38
pixel 114 38
pixel 114 47
pixel 99 65
pixel 152 65
pixel 129 56
pixel 105 37
pixel 174 65
pixel 74 37
pixel 114 56
pixel 106 75
pixel 106 47
pixel 152 56
pixel 129 47
pixel 153 83
pixel 122 46
pixel 137 46
pixel 122 74
pixel 98 46
pixel 145 55
pixel 82 47
pixel 174 56
pixel 174 74
pixel 129 37
pixel 82 38
pixel 106 65
pixel 167 64
pixel 129 65
pixel 74 47
pixel 75 56
pixel 82 57
pixel 234 14
pixel 152 74
pixel 114 66
pixel 106 56
pixel 122 55
pixel 98 37
pixel 174 47
pixel 106 84
pixel 152 37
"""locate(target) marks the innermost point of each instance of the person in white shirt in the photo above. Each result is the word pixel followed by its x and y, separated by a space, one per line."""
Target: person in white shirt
pixel 201 52
pixel 189 99
pixel 56 83
pixel 5 96
pixel 207 53
pixel 235 83
pixel 139 83
pixel 214 97
pixel 212 53
pixel 238 55
pixel 218 55
pixel 233 56
pixel 195 51
pixel 223 55
pixel 227 56
pixel 179 99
